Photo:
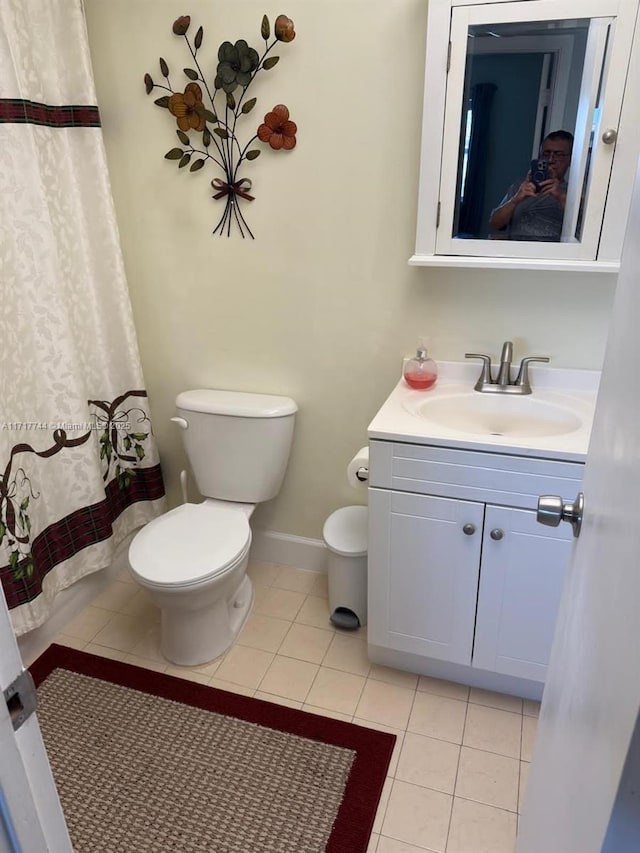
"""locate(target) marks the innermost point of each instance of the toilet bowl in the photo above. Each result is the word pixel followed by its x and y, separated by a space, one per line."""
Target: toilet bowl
pixel 192 562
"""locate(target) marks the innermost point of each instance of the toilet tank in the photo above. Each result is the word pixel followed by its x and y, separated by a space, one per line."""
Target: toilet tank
pixel 238 443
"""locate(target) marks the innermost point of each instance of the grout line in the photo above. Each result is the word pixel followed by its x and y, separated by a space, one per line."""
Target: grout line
pixel 455 781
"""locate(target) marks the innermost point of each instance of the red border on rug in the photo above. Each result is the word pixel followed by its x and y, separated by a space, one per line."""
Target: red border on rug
pixel 352 829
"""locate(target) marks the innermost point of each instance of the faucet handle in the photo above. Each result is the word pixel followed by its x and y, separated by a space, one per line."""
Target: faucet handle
pixel 522 378
pixel 485 376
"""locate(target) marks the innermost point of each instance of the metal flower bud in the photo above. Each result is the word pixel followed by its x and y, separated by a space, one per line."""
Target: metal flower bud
pixel 284 29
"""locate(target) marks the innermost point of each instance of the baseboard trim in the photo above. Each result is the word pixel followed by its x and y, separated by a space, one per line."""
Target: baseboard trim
pixel 469 675
pixel 268 546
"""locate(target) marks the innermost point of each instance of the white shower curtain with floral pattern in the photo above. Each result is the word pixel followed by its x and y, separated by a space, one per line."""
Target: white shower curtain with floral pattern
pixel 79 468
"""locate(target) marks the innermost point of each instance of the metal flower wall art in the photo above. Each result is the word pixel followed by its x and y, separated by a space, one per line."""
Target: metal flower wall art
pixel 209 117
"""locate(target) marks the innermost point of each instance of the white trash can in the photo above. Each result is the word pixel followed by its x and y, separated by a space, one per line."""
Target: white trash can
pixel 345 535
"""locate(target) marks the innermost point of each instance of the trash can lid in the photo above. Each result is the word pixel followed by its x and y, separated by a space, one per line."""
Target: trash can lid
pixel 345 531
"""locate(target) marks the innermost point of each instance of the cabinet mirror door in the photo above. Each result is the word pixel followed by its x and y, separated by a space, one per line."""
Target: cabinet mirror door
pixel 526 160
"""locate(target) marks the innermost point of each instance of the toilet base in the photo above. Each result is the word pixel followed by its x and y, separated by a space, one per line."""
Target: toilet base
pixel 201 635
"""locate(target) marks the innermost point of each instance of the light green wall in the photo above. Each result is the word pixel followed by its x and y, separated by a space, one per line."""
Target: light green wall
pixel 322 306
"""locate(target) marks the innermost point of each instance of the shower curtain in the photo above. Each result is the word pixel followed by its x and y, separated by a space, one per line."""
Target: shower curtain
pixel 79 468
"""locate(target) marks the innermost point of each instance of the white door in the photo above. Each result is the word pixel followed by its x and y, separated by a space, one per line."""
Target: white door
pixel 31 819
pixel 575 802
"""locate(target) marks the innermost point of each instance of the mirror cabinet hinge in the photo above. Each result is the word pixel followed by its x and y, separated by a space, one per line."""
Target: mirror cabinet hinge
pixel 438 215
pixel 449 57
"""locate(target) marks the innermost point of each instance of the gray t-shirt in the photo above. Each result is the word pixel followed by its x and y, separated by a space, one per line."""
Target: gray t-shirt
pixel 537 217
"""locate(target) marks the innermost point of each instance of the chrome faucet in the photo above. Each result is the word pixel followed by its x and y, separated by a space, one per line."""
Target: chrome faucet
pixel 504 374
pixel 503 383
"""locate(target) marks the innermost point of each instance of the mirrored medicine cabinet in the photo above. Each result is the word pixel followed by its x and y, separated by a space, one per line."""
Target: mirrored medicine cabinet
pixel 530 134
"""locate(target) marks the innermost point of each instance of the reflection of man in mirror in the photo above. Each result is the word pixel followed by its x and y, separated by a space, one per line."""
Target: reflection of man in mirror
pixel 535 210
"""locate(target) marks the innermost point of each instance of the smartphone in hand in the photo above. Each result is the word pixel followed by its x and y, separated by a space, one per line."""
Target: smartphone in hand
pixel 539 172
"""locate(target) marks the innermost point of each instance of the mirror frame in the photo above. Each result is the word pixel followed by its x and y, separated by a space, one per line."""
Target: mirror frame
pixel 444 76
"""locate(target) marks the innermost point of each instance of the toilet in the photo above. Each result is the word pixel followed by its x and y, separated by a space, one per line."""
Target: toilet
pixel 193 559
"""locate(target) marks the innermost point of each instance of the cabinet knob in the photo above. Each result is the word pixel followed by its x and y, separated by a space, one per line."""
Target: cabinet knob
pixel 469 529
pixel 497 534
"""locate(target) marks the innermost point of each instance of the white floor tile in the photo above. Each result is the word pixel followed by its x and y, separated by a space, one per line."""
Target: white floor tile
pixel 529 728
pixel 262 574
pixel 289 678
pixel 244 666
pixel 524 778
pixel 105 652
pixel 122 632
pixel 87 623
pixel 263 632
pixel 450 689
pixel 417 816
pixel 476 828
pixel 315 612
pixel 336 690
pixel 385 703
pixel 428 762
pixel 70 642
pixel 279 603
pixel 348 654
pixel 393 676
pixel 145 663
pixel 115 597
pixel 230 687
pixel 502 701
pixel 438 717
pixel 390 845
pixel 277 700
pixel 488 778
pixel 493 730
pixel 295 579
pixel 304 642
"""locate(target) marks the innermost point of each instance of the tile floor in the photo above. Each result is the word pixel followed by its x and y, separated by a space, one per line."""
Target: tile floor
pixel 456 781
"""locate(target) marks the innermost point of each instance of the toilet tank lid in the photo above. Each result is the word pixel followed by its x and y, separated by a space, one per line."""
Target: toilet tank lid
pixel 236 403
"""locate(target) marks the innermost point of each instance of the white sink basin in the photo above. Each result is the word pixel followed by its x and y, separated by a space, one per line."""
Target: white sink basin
pixel 509 415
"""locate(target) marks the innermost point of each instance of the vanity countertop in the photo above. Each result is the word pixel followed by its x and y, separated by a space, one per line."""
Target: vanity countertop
pixel 439 416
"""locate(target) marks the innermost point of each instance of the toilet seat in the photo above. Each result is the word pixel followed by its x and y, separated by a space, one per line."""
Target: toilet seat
pixel 190 545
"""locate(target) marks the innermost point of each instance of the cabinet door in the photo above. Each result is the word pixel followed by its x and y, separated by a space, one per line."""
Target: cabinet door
pixel 521 578
pixel 423 573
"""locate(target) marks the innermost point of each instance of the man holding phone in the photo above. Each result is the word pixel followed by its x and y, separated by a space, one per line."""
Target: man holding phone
pixel 534 209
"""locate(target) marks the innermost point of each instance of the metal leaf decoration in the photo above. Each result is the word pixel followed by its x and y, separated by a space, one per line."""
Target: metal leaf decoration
pixel 195 111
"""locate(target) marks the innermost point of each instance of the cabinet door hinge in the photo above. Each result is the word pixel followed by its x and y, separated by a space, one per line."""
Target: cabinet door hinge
pixel 448 57
pixel 438 214
pixel 21 699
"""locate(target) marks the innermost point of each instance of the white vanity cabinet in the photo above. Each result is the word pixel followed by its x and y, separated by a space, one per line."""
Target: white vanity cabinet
pixel 463 582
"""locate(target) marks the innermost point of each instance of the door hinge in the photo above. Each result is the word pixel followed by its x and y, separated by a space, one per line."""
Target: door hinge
pixel 438 214
pixel 21 699
pixel 448 57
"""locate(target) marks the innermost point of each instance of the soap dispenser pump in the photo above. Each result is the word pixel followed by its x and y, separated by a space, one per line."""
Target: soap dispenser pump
pixel 420 372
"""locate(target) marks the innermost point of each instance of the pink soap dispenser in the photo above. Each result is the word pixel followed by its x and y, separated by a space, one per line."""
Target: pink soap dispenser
pixel 420 372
